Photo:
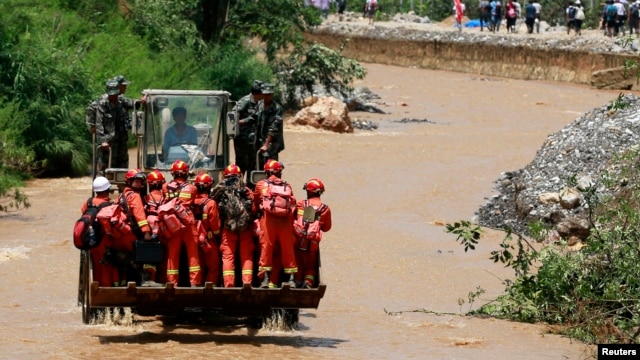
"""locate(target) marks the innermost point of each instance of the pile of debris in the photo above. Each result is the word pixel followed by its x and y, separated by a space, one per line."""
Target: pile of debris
pixel 572 160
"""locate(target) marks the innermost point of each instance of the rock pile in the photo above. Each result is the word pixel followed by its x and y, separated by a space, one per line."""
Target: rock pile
pixel 570 160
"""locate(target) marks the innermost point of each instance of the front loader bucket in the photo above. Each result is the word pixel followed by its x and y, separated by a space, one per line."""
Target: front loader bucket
pixel 233 301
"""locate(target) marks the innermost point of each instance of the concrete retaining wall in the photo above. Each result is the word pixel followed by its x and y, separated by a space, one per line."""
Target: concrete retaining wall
pixel 518 62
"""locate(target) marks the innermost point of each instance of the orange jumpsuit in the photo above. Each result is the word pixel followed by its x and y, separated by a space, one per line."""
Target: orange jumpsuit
pixel 209 253
pixel 231 240
pixel 102 273
pixel 152 201
pixel 308 260
pixel 136 207
pixel 275 230
pixel 187 236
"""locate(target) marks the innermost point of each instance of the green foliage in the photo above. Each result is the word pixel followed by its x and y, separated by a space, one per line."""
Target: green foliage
pixel 467 234
pixel 316 63
pixel 591 294
pixel 619 103
pixel 168 24
pixel 233 68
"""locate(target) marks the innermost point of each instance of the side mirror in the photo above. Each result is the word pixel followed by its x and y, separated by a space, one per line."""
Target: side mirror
pixel 232 124
pixel 138 123
pixel 257 175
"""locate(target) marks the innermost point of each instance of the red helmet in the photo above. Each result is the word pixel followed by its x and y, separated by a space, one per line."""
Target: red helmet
pixel 232 170
pixel 203 180
pixel 155 178
pixel 314 186
pixel 133 174
pixel 179 167
pixel 273 166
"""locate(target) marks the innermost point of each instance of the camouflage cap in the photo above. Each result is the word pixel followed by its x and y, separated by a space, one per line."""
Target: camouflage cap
pixel 255 88
pixel 121 80
pixel 267 88
pixel 112 87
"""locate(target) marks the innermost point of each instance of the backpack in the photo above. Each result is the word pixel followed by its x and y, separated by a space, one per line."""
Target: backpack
pixel 308 232
pixel 572 12
pixel 114 221
pixel 634 10
pixel 278 199
pixel 612 12
pixel 180 211
pixel 373 4
pixel 511 12
pixel 151 209
pixel 498 11
pixel 579 14
pixel 87 231
pixel 233 205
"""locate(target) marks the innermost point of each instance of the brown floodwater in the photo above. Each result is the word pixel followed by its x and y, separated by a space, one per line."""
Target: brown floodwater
pixel 390 190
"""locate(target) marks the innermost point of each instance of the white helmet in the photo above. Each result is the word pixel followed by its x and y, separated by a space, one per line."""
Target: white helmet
pixel 100 184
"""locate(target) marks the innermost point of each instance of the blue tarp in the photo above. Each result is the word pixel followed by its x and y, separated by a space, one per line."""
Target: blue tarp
pixel 473 23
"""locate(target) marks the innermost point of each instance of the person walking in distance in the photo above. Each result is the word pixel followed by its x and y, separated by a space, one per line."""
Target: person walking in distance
pixel 206 214
pixel 235 202
pixel 538 7
pixel 274 197
pixel 184 195
pixel 313 217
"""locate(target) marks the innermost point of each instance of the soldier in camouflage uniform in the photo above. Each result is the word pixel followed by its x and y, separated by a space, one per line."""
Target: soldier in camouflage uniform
pixel 244 142
pixel 270 141
pixel 107 118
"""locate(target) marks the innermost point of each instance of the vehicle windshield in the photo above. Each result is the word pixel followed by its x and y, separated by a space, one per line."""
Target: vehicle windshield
pixel 185 127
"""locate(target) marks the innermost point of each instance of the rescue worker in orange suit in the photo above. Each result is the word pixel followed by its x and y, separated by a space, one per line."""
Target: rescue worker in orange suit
pixel 307 255
pixel 102 272
pixel 135 182
pixel 186 194
pixel 208 227
pixel 274 231
pixel 152 202
pixel 237 239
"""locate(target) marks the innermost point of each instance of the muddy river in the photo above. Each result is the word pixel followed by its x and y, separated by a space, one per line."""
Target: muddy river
pixel 390 190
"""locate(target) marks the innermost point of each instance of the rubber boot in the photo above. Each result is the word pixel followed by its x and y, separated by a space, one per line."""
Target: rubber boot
pixel 292 281
pixel 265 282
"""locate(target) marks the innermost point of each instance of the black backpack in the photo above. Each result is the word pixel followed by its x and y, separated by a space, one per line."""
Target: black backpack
pixel 87 232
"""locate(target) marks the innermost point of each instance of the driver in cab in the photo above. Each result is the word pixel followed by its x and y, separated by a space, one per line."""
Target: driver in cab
pixel 180 133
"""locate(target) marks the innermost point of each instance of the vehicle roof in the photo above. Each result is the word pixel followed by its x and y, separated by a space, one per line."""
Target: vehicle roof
pixel 185 92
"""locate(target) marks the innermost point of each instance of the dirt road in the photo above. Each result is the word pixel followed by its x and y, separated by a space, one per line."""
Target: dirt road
pixel 390 190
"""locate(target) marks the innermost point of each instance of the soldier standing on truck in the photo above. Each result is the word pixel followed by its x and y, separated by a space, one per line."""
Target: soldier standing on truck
pixel 244 144
pixel 107 118
pixel 270 140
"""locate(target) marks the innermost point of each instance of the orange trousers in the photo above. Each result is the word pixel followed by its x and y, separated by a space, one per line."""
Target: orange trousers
pixel 277 231
pixel 187 237
pixel 307 265
pixel 210 258
pixel 232 244
pixel 105 274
